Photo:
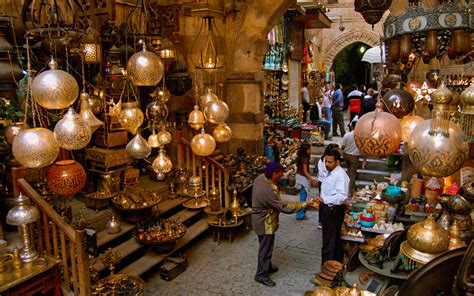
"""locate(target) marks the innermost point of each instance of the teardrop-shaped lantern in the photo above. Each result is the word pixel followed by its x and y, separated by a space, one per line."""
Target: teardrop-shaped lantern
pixel 162 164
pixel 164 136
pixel 54 89
pixel 378 133
pixel 153 140
pixel 408 123
pixel 138 147
pixel 35 148
pixel 145 68
pixel 72 132
pixel 131 117
pixel 87 115
pixel 12 130
pixel 207 97
pixel 203 144
pixel 222 133
pixel 196 118
pixel 156 111
pixel 216 111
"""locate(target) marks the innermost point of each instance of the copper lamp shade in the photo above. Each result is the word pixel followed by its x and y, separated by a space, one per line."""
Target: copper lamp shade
pixel 66 177
pixel 399 102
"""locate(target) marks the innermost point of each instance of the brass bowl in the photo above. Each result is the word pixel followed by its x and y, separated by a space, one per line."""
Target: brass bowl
pixel 119 284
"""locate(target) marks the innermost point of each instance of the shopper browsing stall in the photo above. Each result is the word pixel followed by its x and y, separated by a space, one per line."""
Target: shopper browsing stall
pixel 304 180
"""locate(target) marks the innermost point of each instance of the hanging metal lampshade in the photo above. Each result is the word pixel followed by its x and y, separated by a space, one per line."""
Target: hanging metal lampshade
pixel 156 111
pixel 54 89
pixel 35 148
pixel 91 47
pixel 96 100
pixel 196 118
pixel 222 133
pixel 207 52
pixel 87 115
pixel 167 50
pixel 378 133
pixel 164 136
pixel 153 140
pixel 372 10
pixel 145 68
pixel 207 97
pixel 441 98
pixel 408 123
pixel 399 102
pixel 66 177
pixel 72 132
pixel 216 111
pixel 131 117
pixel 12 130
pixel 434 154
pixel 162 164
pixel 138 147
pixel 203 144
pixel 467 114
pixel 114 108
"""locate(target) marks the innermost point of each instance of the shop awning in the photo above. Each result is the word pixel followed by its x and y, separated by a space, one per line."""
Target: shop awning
pixel 372 55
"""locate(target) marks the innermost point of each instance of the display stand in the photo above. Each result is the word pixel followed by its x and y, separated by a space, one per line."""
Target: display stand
pixel 228 230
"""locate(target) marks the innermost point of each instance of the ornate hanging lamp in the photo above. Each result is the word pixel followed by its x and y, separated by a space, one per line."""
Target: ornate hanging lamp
pixel 156 111
pixel 203 144
pixel 206 51
pixel 408 123
pixel 164 136
pixel 72 132
pixel 372 10
pixel 441 98
pixel 138 147
pixel 399 102
pixel 162 164
pixel 145 68
pixel 196 118
pixel 35 148
pixel 209 96
pixel 91 47
pixel 216 111
pixel 87 115
pixel 467 114
pixel 12 130
pixel 66 177
pixel 153 140
pixel 131 117
pixel 222 133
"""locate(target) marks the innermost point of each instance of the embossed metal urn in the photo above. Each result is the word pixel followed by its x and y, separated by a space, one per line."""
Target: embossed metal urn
pixel 434 154
pixel 145 68
pixel 72 132
pixel 66 177
pixel 35 148
pixel 54 89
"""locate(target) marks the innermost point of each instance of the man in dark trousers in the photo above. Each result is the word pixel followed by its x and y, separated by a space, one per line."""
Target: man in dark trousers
pixel 266 207
pixel 334 193
pixel 337 115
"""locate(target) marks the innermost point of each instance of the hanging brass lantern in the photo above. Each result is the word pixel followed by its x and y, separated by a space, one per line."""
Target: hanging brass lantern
pixel 115 108
pixel 138 147
pixel 196 118
pixel 216 111
pixel 441 98
pixel 164 136
pixel 72 132
pixel 12 130
pixel 162 164
pixel 222 133
pixel 467 114
pixel 156 111
pixel 378 133
pixel 208 97
pixel 153 140
pixel 434 154
pixel 131 117
pixel 145 68
pixel 372 10
pixel 96 100
pixel 91 47
pixel 54 89
pixel 207 53
pixel 87 115
pixel 35 148
pixel 399 102
pixel 455 240
pixel 408 123
pixel 203 144
pixel 167 51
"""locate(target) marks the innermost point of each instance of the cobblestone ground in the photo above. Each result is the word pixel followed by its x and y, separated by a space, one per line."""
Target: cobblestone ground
pixel 229 268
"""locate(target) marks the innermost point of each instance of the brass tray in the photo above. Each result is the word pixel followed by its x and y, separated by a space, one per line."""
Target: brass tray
pixel 119 284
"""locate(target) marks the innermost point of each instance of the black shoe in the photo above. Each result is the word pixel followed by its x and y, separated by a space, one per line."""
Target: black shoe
pixel 266 281
pixel 336 135
pixel 273 269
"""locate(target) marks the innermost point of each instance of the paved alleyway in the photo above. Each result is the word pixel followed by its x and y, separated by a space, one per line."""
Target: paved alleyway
pixel 229 268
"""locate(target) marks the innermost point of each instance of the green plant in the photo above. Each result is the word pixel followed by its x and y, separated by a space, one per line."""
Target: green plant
pixel 9 111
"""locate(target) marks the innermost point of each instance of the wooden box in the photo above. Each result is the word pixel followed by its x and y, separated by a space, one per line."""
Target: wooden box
pixel 111 139
pixel 130 173
pixel 107 158
pixel 173 267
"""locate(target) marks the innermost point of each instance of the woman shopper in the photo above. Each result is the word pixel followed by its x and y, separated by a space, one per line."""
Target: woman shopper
pixel 304 180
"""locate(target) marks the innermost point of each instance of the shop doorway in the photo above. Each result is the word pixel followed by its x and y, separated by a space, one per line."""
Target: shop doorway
pixel 348 67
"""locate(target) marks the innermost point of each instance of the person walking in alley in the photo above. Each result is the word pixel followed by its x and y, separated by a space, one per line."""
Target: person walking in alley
pixel 266 207
pixel 305 100
pixel 355 99
pixel 337 115
pixel 351 155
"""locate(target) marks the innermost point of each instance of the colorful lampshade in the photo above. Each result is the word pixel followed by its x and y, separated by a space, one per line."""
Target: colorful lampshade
pixel 145 68
pixel 54 89
pixel 66 177
pixel 131 117
pixel 71 132
pixel 222 133
pixel 162 164
pixel 196 118
pixel 87 115
pixel 203 144
pixel 35 148
pixel 138 147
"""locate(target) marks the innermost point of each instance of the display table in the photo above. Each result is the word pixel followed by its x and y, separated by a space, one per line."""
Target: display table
pixel 387 266
pixel 40 277
pixel 223 230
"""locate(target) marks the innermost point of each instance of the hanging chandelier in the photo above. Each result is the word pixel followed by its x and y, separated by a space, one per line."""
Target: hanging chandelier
pixel 206 50
pixel 372 10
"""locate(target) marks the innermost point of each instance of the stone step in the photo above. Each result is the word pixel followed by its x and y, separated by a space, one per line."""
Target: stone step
pixel 151 259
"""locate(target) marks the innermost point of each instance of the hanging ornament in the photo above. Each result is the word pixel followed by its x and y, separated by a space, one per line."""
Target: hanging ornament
pixel 131 117
pixel 373 10
pixel 196 118
pixel 408 123
pixel 72 132
pixel 91 47
pixel 399 102
pixel 156 111
pixel 87 115
pixel 96 101
pixel 216 111
pixel 145 68
pixel 467 114
pixel 12 130
pixel 66 177
pixel 138 147
pixel 115 108
pixel 378 133
pixel 164 95
pixel 153 140
pixel 207 97
pixel 441 98
pixel 222 133
pixel 434 154
pixel 35 148
pixel 203 144
pixel 54 89
pixel 162 164
pixel 164 136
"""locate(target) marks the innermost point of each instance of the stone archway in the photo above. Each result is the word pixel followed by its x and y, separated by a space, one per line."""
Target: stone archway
pixel 365 36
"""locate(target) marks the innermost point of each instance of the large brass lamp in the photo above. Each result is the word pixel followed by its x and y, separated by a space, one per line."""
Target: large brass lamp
pixel 22 215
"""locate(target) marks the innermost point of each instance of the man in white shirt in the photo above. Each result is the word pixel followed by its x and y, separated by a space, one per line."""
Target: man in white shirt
pixel 334 193
pixel 351 155
pixel 305 100
pixel 327 101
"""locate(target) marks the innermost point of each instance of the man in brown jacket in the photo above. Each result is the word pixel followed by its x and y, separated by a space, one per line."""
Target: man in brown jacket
pixel 266 207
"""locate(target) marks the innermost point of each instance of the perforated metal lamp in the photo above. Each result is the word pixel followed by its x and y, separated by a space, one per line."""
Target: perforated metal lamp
pixel 22 215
